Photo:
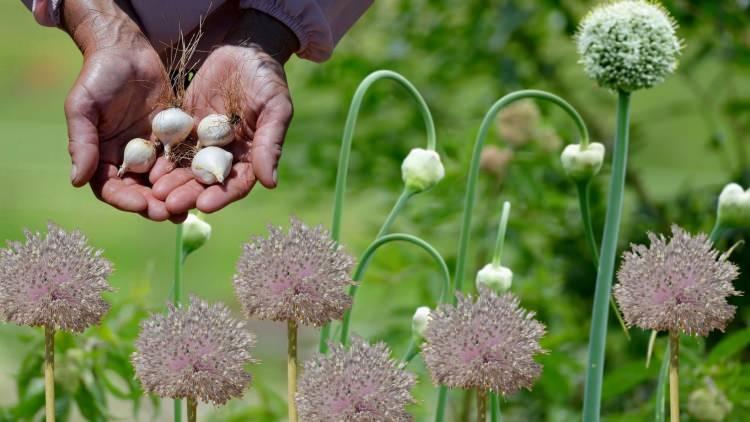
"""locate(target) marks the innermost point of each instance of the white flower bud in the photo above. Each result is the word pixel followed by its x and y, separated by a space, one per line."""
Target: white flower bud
pixel 628 45
pixel 582 164
pixel 734 206
pixel 171 126
pixel 195 233
pixel 139 157
pixel 420 320
pixel 495 277
pixel 215 130
pixel 422 169
pixel 211 165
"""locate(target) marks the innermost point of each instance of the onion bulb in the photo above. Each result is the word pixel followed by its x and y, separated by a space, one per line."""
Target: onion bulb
pixel 215 130
pixel 211 165
pixel 139 157
pixel 171 126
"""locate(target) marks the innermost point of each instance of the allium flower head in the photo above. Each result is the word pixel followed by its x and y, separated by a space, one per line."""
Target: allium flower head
pixel 362 383
pixel 488 344
pixel 198 352
pixel 628 44
pixel 300 276
pixel 53 281
pixel 681 284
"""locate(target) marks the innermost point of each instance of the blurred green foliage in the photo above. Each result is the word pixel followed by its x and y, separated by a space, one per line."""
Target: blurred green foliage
pixel 689 137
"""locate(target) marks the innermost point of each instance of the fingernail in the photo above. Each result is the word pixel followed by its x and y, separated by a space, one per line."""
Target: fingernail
pixel 73 173
pixel 275 177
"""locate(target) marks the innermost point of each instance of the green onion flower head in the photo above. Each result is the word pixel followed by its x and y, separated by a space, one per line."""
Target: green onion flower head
pixel 495 277
pixel 195 234
pixel 734 206
pixel 581 164
pixel 422 169
pixel 628 45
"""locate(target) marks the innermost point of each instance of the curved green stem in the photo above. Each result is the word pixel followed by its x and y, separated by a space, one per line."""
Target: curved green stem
pixel 365 261
pixel 584 202
pixel 716 232
pixel 345 152
pixel 501 229
pixel 411 351
pixel 600 315
pixel 487 122
pixel 177 297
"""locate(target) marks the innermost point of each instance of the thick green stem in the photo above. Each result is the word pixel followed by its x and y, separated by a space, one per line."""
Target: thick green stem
pixel 674 376
pixel 49 374
pixel 495 415
pixel 177 298
pixel 470 194
pixel 192 409
pixel 600 315
pixel 367 256
pixel 584 202
pixel 291 370
pixel 442 398
pixel 501 229
pixel 481 405
pixel 346 148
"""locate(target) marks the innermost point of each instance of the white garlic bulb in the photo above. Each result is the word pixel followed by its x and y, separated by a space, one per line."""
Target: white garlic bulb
pixel 139 157
pixel 211 165
pixel 215 130
pixel 172 126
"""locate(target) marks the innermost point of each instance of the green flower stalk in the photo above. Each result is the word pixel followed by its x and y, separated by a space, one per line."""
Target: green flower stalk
pixel 421 169
pixel 624 46
pixel 193 233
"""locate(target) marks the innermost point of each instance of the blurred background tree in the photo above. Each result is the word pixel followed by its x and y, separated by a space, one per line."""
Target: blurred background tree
pixel 690 137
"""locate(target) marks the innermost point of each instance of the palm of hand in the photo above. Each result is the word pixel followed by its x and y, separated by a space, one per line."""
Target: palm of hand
pixel 257 87
pixel 112 102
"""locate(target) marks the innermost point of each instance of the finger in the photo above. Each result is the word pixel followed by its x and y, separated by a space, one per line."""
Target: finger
pixel 269 137
pixel 238 185
pixel 157 210
pixel 178 218
pixel 112 190
pixel 83 145
pixel 183 199
pixel 162 166
pixel 169 182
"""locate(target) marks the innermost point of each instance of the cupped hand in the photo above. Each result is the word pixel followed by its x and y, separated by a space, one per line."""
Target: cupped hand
pixel 248 84
pixel 111 102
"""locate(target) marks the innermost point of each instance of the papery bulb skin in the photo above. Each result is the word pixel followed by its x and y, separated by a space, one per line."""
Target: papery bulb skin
pixel 172 126
pixel 734 206
pixel 195 233
pixel 422 169
pixel 628 45
pixel 139 157
pixel 215 130
pixel 582 164
pixel 212 165
pixel 419 321
pixel 495 277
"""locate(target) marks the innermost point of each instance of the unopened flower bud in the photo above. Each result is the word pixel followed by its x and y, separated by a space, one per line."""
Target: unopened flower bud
pixel 195 233
pixel 495 277
pixel 734 206
pixel 422 169
pixel 419 321
pixel 582 164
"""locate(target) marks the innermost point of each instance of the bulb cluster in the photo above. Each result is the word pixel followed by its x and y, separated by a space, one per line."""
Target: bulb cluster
pixel 210 165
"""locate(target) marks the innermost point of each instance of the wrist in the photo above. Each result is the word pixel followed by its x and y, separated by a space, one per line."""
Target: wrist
pixel 97 24
pixel 255 28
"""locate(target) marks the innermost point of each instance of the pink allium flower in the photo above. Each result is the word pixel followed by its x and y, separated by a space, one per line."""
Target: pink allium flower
pixel 362 383
pixel 54 281
pixel 680 284
pixel 197 352
pixel 488 344
pixel 298 276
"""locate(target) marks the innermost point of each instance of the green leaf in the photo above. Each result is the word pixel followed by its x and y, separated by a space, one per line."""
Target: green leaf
pixel 31 367
pixel 661 388
pixel 728 346
pixel 88 405
pixel 624 378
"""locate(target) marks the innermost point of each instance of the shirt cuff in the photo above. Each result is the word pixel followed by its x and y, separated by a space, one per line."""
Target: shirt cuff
pixel 306 19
